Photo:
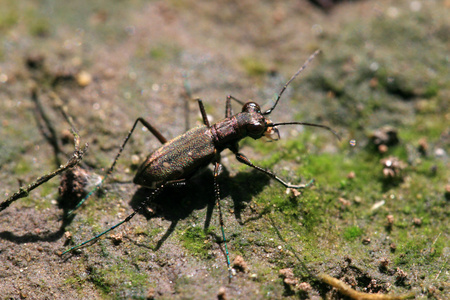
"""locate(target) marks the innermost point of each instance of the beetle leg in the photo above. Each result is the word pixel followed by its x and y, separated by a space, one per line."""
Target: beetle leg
pixel 203 112
pixel 228 109
pixel 176 183
pixel 243 159
pixel 217 169
pixel 234 148
pixel 155 193
pixel 152 129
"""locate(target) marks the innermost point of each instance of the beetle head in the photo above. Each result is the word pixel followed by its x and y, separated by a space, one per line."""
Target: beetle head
pixel 258 125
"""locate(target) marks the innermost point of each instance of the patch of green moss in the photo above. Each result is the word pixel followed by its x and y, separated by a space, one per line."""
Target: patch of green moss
pixel 117 278
pixel 432 89
pixel 352 233
pixel 75 281
pixel 419 250
pixel 22 167
pixel 310 215
pixel 99 280
pixel 196 241
pixel 49 188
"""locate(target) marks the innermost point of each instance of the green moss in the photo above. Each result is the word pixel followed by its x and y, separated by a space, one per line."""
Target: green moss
pixel 22 167
pixel 432 89
pixel 116 278
pixel 49 188
pixel 196 241
pixel 98 278
pixel 418 251
pixel 352 233
pixel 311 215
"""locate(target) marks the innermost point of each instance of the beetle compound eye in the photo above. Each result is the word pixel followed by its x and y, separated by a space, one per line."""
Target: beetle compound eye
pixel 255 128
pixel 251 107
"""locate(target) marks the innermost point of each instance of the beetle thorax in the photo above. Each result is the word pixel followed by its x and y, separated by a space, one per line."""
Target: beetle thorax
pixel 250 122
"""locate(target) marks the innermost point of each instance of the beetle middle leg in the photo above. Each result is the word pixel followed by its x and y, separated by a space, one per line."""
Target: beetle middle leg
pixel 147 125
pixel 217 168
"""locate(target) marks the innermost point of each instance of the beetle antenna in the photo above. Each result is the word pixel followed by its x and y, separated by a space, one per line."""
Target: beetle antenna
pixel 307 124
pixel 290 80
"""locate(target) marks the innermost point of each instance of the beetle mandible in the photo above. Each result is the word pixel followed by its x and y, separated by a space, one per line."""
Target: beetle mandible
pixel 180 158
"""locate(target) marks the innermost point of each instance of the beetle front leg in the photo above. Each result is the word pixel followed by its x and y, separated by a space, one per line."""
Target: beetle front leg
pixel 243 159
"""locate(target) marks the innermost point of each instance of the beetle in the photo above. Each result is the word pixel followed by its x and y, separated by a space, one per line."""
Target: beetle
pixel 180 158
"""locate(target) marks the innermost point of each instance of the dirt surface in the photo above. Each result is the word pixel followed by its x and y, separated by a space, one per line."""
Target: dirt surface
pixel 378 226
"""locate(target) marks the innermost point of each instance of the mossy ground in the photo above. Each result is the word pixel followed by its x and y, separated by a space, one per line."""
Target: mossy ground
pixel 382 63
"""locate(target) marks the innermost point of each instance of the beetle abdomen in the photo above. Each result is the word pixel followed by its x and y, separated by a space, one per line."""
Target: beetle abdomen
pixel 178 158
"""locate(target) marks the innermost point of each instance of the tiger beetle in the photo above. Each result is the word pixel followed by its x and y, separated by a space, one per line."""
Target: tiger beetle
pixel 180 158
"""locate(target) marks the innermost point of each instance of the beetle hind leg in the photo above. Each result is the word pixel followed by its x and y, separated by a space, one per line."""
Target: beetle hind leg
pixel 203 112
pixel 155 193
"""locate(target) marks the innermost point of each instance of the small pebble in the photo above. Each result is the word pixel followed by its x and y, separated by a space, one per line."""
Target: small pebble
pixel 83 78
pixel 239 264
pixel 222 294
pixel 366 241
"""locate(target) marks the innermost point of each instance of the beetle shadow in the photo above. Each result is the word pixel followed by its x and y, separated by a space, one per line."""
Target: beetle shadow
pixel 242 188
pixel 49 133
pixel 30 237
pixel 176 203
